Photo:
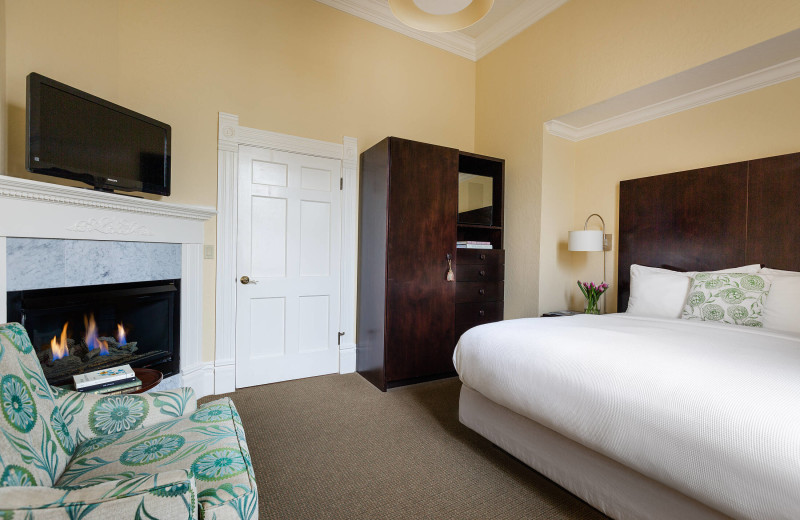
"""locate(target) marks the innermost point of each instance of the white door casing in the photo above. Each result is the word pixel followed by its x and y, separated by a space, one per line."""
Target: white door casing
pixel 289 247
pixel 231 139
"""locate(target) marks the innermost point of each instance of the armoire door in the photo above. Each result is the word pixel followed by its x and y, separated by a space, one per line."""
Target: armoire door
pixel 422 210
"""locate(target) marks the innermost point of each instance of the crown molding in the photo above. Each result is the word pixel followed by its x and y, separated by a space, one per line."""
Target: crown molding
pixel 527 14
pixel 379 12
pixel 766 77
pixel 26 189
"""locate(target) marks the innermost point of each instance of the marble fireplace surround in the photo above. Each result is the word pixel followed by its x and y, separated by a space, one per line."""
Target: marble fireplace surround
pixel 40 210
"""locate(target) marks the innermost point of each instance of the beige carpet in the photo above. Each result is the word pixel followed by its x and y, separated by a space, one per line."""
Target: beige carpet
pixel 336 447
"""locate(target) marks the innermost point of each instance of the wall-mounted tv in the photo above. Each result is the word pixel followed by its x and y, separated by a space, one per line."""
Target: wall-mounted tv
pixel 75 135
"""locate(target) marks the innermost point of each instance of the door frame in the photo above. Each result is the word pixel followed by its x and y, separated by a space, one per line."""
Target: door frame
pixel 230 137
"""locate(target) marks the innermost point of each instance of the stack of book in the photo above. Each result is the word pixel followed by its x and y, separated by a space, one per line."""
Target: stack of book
pixel 473 244
pixel 109 381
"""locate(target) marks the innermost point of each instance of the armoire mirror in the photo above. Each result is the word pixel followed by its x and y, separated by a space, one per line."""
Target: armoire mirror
pixel 474 199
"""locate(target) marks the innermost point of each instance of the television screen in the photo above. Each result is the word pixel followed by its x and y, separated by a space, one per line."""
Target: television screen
pixel 75 135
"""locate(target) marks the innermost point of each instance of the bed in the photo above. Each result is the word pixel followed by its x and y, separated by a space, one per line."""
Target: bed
pixel 659 417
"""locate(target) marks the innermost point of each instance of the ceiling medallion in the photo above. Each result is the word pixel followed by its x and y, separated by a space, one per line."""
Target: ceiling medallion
pixel 440 15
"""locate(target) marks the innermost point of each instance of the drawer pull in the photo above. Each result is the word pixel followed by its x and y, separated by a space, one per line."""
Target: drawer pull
pixel 481 312
pixel 483 256
pixel 481 292
pixel 482 273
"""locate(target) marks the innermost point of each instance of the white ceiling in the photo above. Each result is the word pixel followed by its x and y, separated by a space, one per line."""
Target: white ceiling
pixel 506 19
pixel 500 9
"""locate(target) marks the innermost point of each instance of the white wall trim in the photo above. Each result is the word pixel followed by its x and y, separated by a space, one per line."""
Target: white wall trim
pixel 200 377
pixel 227 172
pixel 525 15
pixel 349 264
pixel 230 137
pixel 192 315
pixel 25 189
pixel 379 12
pixel 347 358
pixel 768 76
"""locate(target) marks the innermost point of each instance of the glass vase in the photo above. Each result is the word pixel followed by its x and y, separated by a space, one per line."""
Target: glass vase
pixel 591 307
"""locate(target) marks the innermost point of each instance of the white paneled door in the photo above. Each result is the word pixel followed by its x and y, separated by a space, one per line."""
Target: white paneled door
pixel 289 251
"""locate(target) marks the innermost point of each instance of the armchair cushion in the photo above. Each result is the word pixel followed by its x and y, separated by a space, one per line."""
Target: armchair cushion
pixel 90 415
pixel 35 443
pixel 122 456
pixel 169 494
pixel 210 442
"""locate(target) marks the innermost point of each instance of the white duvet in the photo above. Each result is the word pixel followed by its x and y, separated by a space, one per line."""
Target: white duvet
pixel 710 410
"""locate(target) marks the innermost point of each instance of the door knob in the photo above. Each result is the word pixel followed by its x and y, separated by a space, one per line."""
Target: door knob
pixel 246 280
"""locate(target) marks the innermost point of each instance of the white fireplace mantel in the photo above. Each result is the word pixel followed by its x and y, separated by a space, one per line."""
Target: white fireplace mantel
pixel 36 209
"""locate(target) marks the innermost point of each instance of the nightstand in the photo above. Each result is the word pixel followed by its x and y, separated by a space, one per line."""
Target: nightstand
pixel 560 314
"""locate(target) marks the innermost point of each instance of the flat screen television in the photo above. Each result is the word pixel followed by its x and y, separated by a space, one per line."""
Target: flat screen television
pixel 75 135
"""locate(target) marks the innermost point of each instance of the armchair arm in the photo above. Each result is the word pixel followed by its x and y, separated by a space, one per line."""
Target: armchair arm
pixel 92 415
pixel 171 494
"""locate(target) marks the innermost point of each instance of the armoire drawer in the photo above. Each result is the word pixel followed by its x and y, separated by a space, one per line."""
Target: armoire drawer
pixel 492 272
pixel 469 315
pixel 467 292
pixel 480 256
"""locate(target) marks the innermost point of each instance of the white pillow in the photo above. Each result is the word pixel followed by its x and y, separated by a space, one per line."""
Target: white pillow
pixel 780 308
pixel 777 272
pixel 661 293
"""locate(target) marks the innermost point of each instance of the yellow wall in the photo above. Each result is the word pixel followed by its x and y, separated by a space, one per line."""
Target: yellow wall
pixel 582 53
pixel 762 123
pixel 302 68
pixel 291 66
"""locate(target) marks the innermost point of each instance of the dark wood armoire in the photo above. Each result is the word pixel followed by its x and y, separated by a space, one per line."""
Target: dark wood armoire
pixel 408 318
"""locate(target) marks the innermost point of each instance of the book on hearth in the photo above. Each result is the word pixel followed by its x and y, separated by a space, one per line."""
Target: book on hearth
pixel 104 377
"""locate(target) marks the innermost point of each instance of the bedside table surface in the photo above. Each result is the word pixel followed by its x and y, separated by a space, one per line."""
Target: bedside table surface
pixel 560 314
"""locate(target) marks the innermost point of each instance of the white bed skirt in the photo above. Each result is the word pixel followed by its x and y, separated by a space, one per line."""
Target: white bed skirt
pixel 609 486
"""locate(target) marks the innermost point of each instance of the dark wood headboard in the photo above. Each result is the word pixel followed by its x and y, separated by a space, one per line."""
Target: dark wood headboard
pixel 711 218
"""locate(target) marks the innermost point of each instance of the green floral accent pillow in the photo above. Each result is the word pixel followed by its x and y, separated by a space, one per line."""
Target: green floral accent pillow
pixel 734 298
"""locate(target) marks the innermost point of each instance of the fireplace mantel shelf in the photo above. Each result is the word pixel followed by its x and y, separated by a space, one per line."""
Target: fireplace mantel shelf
pixel 18 188
pixel 35 209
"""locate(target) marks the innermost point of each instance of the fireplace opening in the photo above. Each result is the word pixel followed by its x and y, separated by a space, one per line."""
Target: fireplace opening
pixel 81 329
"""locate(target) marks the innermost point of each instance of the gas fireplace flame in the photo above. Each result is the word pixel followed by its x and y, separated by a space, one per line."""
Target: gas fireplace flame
pixel 121 334
pixel 59 349
pixel 92 341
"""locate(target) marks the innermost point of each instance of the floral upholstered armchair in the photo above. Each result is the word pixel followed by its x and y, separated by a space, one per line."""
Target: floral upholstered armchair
pixel 72 455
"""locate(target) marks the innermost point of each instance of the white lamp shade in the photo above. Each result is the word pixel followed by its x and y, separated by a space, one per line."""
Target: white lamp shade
pixel 586 240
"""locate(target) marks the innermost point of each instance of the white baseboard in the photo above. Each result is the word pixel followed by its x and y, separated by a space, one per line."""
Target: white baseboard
pixel 224 378
pixel 347 359
pixel 200 377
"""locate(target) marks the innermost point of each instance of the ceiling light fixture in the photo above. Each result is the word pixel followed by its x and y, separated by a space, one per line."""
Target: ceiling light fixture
pixel 440 15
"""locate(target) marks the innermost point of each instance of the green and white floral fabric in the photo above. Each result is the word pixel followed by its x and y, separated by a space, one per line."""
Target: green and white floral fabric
pixel 734 298
pixel 91 415
pixel 144 456
pixel 209 442
pixel 170 494
pixel 34 445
